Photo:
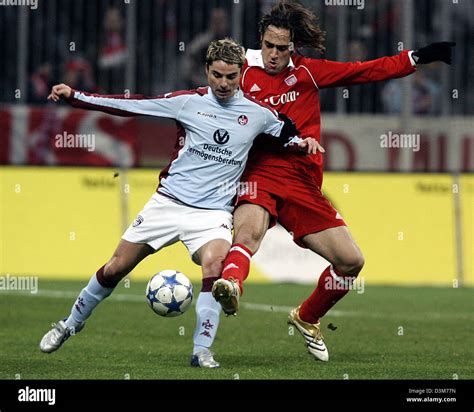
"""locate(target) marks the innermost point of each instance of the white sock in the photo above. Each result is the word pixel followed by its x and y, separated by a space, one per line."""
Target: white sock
pixel 207 313
pixel 88 299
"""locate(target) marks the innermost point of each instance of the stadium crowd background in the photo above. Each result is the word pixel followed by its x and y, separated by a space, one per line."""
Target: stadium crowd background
pixel 154 46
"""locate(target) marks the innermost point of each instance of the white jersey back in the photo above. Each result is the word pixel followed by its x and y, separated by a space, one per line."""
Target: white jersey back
pixel 214 139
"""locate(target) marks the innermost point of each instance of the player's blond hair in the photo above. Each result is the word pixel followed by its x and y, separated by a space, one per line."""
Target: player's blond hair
pixel 227 50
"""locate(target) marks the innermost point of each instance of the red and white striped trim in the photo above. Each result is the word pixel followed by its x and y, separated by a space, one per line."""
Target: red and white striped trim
pixel 239 249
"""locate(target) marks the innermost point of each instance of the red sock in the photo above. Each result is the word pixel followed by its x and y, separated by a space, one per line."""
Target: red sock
pixel 332 286
pixel 237 264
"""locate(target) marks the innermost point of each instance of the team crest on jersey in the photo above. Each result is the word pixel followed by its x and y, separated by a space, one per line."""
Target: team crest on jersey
pixel 243 120
pixel 138 221
pixel 291 80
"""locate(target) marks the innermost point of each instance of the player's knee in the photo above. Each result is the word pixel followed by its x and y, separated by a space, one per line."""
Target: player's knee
pixel 212 264
pixel 351 265
pixel 212 267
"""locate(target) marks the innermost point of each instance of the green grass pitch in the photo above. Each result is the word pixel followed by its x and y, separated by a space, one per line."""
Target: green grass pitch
pixel 383 333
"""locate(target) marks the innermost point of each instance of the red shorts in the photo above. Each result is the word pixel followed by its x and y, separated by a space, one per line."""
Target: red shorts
pixel 293 198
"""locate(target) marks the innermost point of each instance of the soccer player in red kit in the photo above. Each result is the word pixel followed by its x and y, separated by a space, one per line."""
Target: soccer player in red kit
pixel 288 184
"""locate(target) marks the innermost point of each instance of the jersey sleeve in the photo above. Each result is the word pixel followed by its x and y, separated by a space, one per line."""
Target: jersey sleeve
pixel 282 129
pixel 273 125
pixel 168 105
pixel 329 73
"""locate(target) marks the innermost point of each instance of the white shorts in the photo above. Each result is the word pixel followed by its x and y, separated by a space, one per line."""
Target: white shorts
pixel 164 221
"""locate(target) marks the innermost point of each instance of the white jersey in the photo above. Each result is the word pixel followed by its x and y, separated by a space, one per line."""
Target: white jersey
pixel 214 139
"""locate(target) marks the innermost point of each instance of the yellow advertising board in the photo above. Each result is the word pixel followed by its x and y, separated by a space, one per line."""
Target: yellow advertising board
pixel 57 222
pixel 66 222
pixel 403 223
pixel 466 190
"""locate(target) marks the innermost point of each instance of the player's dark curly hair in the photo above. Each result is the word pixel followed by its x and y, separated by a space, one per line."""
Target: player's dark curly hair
pixel 300 21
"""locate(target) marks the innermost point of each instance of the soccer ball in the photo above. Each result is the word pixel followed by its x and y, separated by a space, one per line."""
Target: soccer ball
pixel 169 293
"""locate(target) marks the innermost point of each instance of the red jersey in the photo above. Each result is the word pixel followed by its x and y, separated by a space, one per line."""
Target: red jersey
pixel 295 92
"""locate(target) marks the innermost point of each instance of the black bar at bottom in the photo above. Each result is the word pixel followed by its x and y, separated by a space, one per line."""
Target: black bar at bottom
pixel 82 394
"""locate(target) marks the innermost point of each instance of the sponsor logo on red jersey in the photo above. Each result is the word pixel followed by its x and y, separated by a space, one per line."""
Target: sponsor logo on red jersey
pixel 282 98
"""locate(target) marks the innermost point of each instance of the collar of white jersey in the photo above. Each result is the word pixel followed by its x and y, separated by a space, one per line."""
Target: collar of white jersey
pixel 255 59
pixel 237 95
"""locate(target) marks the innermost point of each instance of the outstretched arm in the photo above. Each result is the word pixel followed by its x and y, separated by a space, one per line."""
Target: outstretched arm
pixel 168 105
pixel 335 74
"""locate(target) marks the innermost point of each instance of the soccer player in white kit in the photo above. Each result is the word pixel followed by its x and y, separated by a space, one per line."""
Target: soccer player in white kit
pixel 217 125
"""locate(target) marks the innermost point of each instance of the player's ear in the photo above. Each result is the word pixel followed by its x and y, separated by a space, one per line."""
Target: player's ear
pixel 291 47
pixel 207 68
